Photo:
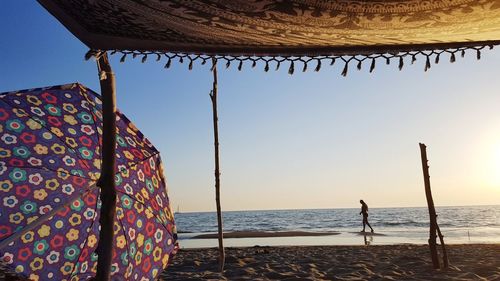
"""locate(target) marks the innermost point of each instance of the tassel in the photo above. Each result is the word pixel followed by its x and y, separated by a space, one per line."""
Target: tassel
pixel 181 59
pixel 387 61
pixel 190 64
pixel 452 58
pixel 491 47
pixel 89 54
pixel 134 55
pixel 114 52
pixel 359 65
pixel 344 72
pixel 203 62
pixel 122 59
pixel 305 67
pixel 463 53
pixel 240 65
pixel 401 63
pixel 436 61
pixel 158 57
pixel 427 64
pixel 254 63
pixel 318 66
pixel 144 58
pixel 278 65
pixel 228 63
pixel 169 62
pixel 413 59
pixel 478 54
pixel 291 69
pixel 372 65
pixel 266 68
pixel 332 62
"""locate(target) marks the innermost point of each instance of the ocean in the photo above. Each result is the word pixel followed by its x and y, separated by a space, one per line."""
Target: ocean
pixel 460 224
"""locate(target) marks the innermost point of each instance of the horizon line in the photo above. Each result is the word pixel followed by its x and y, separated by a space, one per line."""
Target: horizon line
pixel 263 210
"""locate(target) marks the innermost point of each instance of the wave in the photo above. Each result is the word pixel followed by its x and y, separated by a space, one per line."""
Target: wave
pixel 339 219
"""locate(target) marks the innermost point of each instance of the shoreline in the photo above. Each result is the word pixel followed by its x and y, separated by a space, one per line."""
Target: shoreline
pixel 374 262
pixel 263 234
pixel 347 237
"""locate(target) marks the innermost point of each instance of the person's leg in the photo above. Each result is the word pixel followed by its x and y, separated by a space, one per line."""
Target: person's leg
pixel 369 225
pixel 364 223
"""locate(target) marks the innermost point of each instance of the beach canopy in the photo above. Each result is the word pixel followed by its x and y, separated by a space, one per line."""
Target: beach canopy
pixel 279 28
pixel 271 32
pixel 50 164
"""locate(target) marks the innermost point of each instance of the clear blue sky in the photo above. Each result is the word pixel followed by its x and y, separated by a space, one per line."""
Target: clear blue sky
pixel 311 140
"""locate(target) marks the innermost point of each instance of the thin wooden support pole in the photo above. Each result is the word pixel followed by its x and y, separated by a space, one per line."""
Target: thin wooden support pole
pixel 443 248
pixel 213 97
pixel 107 180
pixel 430 205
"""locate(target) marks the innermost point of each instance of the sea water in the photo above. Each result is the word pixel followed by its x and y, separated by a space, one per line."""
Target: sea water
pixel 460 224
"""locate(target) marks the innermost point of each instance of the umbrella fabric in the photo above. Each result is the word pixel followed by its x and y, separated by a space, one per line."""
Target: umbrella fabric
pixel 276 27
pixel 50 142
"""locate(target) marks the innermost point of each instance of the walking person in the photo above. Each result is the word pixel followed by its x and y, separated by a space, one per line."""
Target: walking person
pixel 364 211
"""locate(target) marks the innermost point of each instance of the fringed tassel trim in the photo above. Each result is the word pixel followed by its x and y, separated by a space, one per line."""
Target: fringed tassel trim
pixel 303 61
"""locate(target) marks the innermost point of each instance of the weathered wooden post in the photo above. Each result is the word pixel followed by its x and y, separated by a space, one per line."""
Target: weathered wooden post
pixel 443 247
pixel 107 180
pixel 213 97
pixel 430 205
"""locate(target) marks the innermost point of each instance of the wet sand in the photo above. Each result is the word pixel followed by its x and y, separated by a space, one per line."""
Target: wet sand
pixel 387 262
pixel 260 234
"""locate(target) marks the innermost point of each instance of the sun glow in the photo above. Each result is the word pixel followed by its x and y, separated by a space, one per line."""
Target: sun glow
pixel 495 165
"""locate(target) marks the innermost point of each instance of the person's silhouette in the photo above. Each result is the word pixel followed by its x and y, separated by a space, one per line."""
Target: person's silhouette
pixel 364 211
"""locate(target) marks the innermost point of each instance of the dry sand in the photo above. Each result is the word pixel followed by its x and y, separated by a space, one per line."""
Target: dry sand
pixel 391 262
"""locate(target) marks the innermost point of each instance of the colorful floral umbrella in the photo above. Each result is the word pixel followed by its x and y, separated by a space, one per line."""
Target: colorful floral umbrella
pixel 50 144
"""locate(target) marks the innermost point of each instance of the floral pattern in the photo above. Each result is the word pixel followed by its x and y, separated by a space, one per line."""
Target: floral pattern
pixel 50 145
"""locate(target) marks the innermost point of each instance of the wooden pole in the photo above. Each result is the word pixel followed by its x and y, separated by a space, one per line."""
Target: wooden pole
pixel 443 248
pixel 107 180
pixel 430 205
pixel 213 97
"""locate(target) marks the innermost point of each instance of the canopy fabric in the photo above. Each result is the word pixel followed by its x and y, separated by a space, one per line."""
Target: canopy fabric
pixel 50 159
pixel 284 28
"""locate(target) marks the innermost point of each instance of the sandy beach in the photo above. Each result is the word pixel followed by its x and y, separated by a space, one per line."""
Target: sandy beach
pixel 387 262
